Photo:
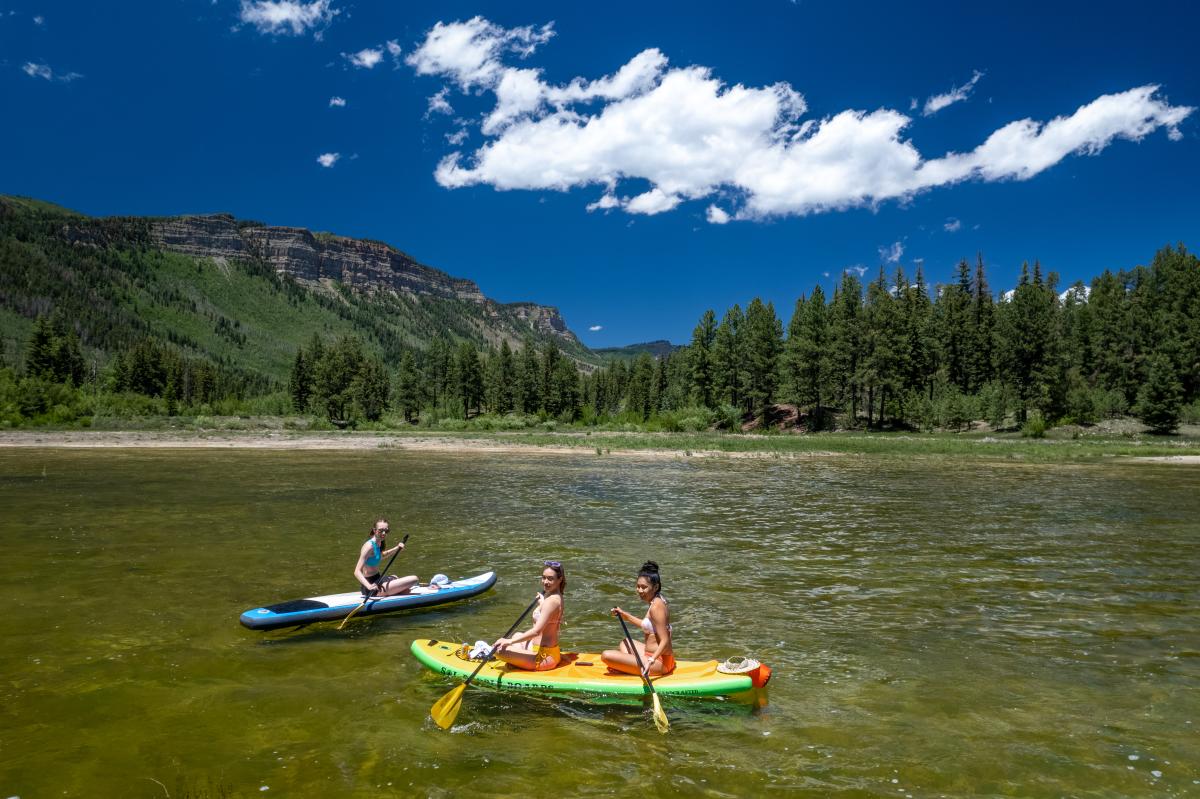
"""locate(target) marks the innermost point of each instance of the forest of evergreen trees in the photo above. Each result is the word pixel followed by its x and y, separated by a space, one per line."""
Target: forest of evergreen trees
pixel 884 355
pixel 892 353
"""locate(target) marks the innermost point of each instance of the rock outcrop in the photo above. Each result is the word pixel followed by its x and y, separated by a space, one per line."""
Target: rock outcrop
pixel 366 266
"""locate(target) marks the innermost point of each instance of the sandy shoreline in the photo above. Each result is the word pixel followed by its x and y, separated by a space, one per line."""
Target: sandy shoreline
pixel 348 441
pixel 272 440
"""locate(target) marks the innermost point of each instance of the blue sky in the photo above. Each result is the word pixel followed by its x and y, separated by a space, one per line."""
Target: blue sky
pixel 631 163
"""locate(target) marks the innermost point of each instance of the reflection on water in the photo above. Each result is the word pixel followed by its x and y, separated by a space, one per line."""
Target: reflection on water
pixel 935 628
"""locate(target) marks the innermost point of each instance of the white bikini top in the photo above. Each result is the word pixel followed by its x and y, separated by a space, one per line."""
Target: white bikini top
pixel 647 625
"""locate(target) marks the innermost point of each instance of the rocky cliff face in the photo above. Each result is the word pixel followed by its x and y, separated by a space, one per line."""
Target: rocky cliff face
pixel 310 258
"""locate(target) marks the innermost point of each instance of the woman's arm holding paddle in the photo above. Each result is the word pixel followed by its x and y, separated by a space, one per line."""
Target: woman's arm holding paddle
pixel 629 617
pixel 547 607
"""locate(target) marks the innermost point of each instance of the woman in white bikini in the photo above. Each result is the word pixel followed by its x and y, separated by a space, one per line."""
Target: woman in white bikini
pixel 656 653
pixel 536 649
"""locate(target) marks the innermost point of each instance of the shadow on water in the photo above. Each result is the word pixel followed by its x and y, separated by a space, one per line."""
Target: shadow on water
pixel 487 709
pixel 361 627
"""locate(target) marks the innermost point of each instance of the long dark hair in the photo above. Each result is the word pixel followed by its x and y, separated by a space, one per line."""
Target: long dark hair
pixel 371 532
pixel 650 572
pixel 557 568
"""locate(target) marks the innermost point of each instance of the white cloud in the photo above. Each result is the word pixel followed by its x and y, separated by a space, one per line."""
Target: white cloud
pixel 369 57
pixel 366 58
pixel 328 159
pixel 717 216
pixel 604 203
pixel 39 20
pixel 337 102
pixel 438 104
pixel 939 101
pixel 287 16
pixel 596 328
pixel 37 70
pixel 458 137
pixel 892 253
pixel 652 202
pixel 45 72
pixel 469 52
pixel 859 268
pixel 691 136
pixel 952 224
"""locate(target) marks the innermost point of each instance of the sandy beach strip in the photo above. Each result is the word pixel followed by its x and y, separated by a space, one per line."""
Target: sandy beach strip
pixel 593 445
pixel 281 440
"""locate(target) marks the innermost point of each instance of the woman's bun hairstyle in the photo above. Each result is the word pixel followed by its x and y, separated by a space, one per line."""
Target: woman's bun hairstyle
pixel 649 570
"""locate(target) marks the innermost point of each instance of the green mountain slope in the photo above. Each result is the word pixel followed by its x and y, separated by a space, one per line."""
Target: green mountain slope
pixel 115 283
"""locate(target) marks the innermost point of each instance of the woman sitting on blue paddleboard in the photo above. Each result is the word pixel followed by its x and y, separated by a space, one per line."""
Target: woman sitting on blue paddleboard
pixel 536 649
pixel 366 570
pixel 656 652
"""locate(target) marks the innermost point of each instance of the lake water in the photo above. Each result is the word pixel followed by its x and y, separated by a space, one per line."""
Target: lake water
pixel 935 627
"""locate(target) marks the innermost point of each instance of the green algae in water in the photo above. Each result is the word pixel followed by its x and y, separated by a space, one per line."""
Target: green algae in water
pixel 935 627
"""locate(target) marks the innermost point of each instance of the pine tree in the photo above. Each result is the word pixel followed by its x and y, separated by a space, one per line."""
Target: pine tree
pixel 955 336
pixel 468 378
pixel 172 389
pixel 981 361
pixel 439 365
pixel 507 374
pixel 407 394
pixel 528 391
pixel 300 382
pixel 659 386
pixel 762 345
pixel 565 389
pixel 1161 398
pixel 1170 320
pixel 67 358
pixel 1112 356
pixel 640 379
pixel 727 358
pixel 808 340
pixel 845 345
pixel 39 354
pixel 552 399
pixel 333 376
pixel 919 346
pixel 703 338
pixel 879 367
pixel 369 390
pixel 1029 341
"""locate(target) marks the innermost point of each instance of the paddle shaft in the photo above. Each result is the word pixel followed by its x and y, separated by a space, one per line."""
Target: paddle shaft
pixel 637 657
pixel 516 624
pixel 371 597
pixel 383 573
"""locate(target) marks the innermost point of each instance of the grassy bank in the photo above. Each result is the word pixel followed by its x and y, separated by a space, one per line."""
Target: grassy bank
pixel 1064 444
